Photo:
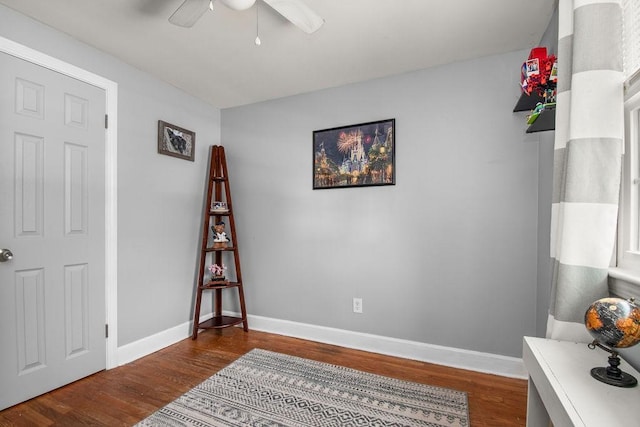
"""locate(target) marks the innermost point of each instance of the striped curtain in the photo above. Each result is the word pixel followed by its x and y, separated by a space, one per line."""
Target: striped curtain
pixel 587 160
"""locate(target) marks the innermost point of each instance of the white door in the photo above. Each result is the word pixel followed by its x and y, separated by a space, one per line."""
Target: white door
pixel 52 218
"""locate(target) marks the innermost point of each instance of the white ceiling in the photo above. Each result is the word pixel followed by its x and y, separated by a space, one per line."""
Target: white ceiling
pixel 217 60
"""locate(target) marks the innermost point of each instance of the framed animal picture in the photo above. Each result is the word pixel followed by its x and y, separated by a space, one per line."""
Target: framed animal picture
pixel 176 141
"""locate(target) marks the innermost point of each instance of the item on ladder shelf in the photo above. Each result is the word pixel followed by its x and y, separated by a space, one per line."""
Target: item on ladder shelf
pixel 216 246
pixel 220 238
pixel 217 272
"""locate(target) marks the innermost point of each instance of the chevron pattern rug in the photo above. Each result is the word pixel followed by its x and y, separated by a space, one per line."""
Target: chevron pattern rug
pixel 264 388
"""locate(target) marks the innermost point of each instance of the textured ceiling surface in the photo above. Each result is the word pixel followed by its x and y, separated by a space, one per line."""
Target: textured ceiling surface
pixel 217 61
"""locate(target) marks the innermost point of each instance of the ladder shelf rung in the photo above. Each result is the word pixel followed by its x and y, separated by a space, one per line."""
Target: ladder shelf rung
pixel 228 248
pixel 220 322
pixel 219 285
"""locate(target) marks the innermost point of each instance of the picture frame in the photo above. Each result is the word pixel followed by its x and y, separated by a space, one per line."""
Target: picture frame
pixel 533 67
pixel 358 155
pixel 176 141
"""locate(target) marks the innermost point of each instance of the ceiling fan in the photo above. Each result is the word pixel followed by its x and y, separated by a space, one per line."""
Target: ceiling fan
pixel 294 11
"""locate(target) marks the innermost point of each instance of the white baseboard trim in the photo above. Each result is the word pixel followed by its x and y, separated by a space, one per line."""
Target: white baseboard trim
pixel 145 346
pixel 505 366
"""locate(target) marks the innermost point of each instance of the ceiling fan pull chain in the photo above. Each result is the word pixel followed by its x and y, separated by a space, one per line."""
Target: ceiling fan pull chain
pixel 258 41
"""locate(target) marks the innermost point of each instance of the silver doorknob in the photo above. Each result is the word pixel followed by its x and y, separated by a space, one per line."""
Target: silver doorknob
pixel 5 255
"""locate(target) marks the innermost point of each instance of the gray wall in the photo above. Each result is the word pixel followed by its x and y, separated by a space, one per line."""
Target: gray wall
pixel 448 256
pixel 159 197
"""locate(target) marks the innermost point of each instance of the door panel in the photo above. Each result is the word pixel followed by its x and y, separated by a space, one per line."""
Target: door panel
pixel 52 207
pixel 29 185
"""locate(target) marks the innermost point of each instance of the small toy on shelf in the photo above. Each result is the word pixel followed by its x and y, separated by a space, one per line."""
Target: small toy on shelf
pixel 220 238
pixel 535 113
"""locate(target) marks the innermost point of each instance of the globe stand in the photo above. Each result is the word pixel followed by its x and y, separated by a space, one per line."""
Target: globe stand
pixel 612 375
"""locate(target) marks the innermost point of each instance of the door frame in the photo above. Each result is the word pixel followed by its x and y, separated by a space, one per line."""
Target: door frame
pixel 111 178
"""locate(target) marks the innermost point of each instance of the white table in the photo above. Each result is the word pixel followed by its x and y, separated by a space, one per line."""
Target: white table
pixel 562 390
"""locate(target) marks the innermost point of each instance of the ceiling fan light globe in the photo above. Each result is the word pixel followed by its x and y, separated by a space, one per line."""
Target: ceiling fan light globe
pixel 298 13
pixel 238 4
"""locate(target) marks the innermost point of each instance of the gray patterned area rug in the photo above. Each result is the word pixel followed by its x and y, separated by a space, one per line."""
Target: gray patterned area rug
pixel 263 388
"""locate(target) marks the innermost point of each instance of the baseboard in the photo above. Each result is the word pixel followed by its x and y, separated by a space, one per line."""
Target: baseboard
pixel 137 349
pixel 505 366
pixel 447 356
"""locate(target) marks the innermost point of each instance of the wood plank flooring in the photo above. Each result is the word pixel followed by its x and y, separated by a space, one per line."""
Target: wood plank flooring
pixel 129 393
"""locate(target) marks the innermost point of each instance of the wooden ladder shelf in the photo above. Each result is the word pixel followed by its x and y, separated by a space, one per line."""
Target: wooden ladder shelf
pixel 216 249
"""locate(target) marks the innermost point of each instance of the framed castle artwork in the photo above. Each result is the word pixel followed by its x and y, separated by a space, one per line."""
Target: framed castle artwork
pixel 354 156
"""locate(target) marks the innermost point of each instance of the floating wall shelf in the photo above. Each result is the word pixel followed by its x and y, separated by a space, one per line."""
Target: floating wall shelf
pixel 527 102
pixel 545 121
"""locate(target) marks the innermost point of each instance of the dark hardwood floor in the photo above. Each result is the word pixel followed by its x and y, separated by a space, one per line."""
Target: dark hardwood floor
pixel 127 394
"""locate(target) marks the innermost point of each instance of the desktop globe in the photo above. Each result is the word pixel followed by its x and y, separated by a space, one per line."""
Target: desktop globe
pixel 613 323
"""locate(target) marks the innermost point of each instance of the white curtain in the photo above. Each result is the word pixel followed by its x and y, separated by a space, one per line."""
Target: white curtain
pixel 587 160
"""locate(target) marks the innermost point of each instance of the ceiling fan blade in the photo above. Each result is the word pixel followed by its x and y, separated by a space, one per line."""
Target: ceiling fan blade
pixel 189 12
pixel 298 13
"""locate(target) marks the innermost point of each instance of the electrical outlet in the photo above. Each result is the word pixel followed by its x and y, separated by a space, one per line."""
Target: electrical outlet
pixel 357 305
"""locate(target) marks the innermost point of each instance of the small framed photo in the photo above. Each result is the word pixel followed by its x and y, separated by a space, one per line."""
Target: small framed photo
pixel 355 156
pixel 533 67
pixel 176 141
pixel 554 72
